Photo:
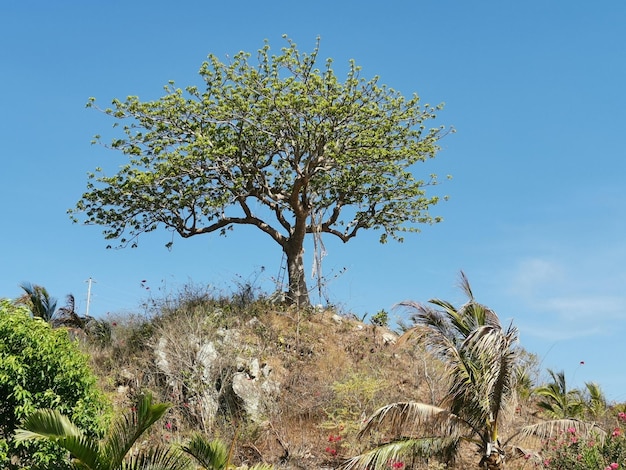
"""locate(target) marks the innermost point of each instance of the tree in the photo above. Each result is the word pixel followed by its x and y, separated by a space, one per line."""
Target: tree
pixel 596 405
pixel 39 301
pixel 481 363
pixel 557 401
pixel 41 368
pixel 483 367
pixel 111 453
pixel 41 305
pixel 280 145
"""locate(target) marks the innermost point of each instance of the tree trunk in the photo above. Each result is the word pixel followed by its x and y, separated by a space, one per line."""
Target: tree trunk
pixel 298 293
pixel 494 460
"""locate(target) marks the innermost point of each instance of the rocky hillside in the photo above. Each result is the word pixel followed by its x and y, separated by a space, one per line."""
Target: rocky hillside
pixel 286 386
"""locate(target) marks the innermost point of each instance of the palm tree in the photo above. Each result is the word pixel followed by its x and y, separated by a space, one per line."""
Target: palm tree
pixel 481 363
pixel 595 401
pixel 88 453
pixel 39 301
pixel 557 401
pixel 67 315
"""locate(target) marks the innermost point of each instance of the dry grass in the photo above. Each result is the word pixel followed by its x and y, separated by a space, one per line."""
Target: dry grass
pixel 332 371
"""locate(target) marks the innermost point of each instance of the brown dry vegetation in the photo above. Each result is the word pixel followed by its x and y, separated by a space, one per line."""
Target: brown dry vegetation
pixel 327 373
pixel 332 371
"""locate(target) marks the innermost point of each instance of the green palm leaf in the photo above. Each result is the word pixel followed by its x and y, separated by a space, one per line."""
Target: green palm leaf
pixel 111 453
pixel 126 431
pixel 158 458
pixel 212 455
pixel 53 426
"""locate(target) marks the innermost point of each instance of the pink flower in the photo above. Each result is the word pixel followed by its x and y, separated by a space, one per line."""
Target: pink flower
pixel 621 416
pixel 616 432
pixel 571 430
pixel 168 426
pixel 526 456
pixel 614 466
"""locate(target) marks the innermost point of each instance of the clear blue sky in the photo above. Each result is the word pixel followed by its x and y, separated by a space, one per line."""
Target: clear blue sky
pixel 536 215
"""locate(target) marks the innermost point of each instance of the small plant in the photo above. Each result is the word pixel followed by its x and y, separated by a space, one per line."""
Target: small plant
pixel 355 397
pixel 380 319
pixel 333 448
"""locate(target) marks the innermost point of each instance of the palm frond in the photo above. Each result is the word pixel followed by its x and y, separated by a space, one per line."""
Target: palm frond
pixel 44 424
pixel 53 426
pixel 425 316
pixel 158 458
pixel 126 431
pixel 596 403
pixel 548 429
pixel 39 301
pixel 411 419
pixel 557 401
pixel 465 285
pixel 212 455
pixel 381 456
pixel 67 316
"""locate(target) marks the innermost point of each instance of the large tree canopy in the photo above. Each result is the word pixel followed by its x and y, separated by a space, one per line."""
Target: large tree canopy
pixel 320 155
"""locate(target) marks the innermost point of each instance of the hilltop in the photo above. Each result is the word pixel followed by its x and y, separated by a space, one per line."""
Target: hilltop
pixel 287 386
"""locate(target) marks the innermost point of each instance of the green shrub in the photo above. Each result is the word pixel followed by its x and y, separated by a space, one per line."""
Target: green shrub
pixel 41 367
pixel 568 451
pixel 380 319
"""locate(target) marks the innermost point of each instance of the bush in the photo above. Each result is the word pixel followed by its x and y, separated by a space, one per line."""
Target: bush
pixel 41 367
pixel 571 452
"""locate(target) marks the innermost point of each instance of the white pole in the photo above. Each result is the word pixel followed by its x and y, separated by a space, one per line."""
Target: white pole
pixel 89 282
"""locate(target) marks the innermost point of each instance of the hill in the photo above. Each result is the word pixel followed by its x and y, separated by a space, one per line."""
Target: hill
pixel 286 386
